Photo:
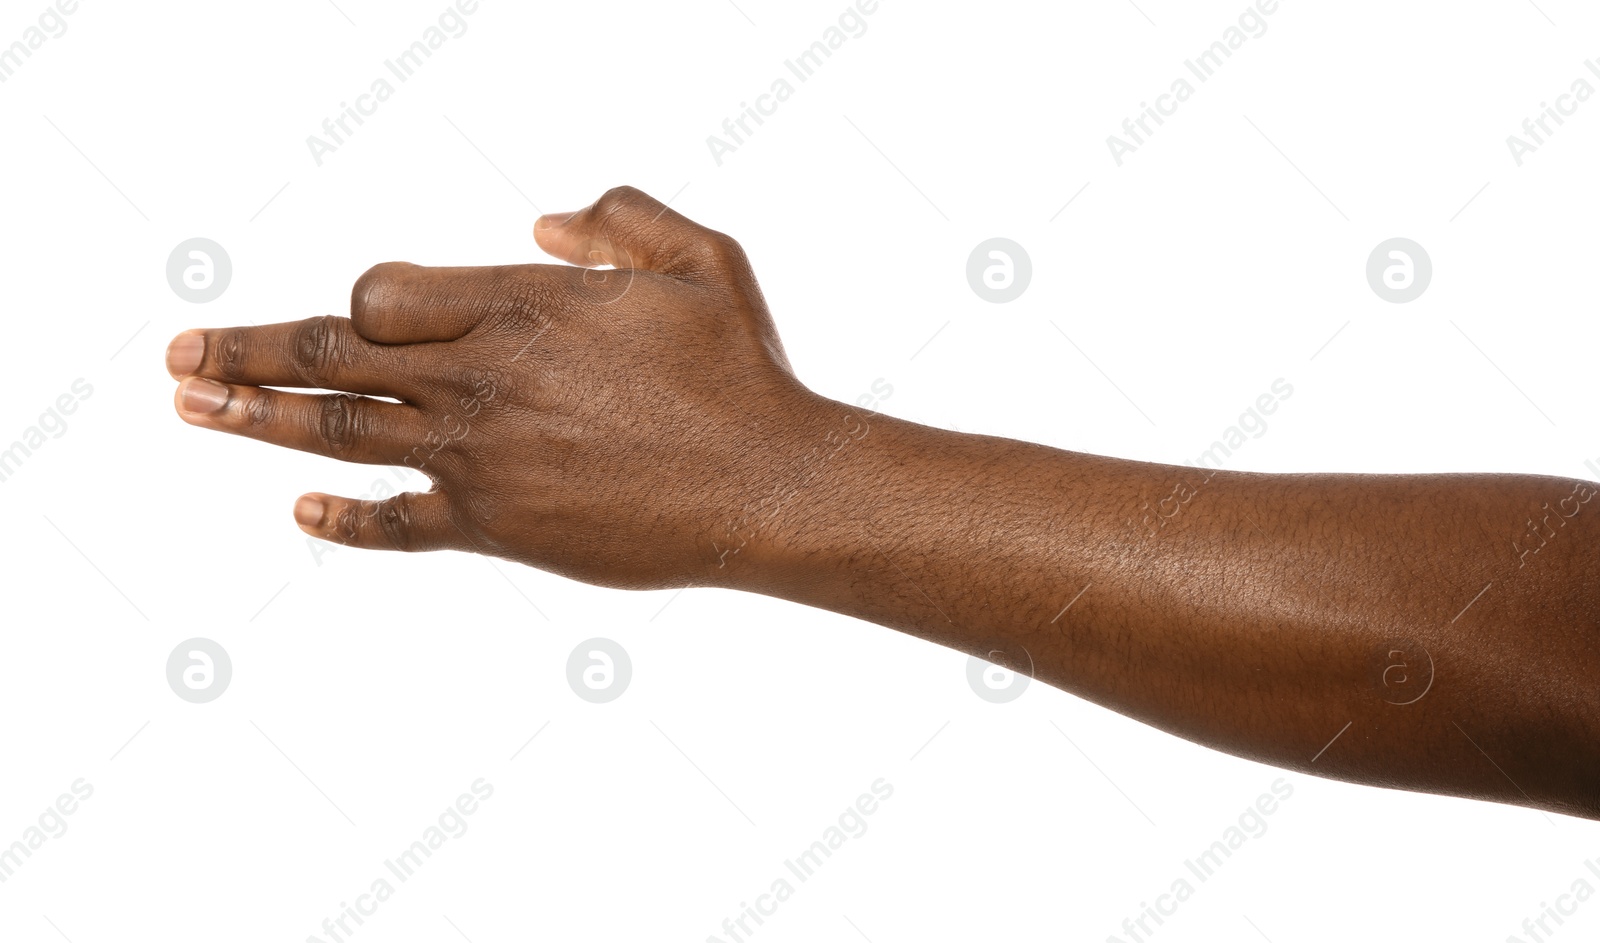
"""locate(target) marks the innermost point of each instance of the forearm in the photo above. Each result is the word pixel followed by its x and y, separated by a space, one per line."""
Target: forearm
pixel 1257 614
pixel 599 426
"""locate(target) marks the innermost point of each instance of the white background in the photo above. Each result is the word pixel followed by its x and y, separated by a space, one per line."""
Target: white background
pixel 371 689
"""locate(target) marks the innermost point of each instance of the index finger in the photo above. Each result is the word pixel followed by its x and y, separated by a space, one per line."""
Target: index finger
pixel 401 303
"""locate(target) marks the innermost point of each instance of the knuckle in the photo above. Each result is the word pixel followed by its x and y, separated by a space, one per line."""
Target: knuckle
pixel 258 410
pixel 340 421
pixel 722 252
pixel 320 348
pixel 395 517
pixel 476 387
pixel 228 353
pixel 346 524
pixel 479 511
pixel 376 286
pixel 618 198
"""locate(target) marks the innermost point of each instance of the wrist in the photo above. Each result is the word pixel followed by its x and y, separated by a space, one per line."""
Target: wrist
pixel 802 500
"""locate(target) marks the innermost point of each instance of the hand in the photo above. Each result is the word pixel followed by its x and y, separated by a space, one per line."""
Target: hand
pixel 612 425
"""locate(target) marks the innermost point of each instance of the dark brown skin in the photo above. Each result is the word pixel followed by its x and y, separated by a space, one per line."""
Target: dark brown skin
pixel 640 427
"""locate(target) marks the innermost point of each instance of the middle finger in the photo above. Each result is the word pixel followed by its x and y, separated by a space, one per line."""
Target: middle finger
pixel 319 353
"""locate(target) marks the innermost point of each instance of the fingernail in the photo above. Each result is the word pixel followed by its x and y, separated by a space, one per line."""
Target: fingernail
pixel 184 353
pixel 203 396
pixel 308 511
pixel 552 220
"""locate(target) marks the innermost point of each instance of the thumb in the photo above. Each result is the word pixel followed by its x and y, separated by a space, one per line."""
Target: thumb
pixel 627 228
